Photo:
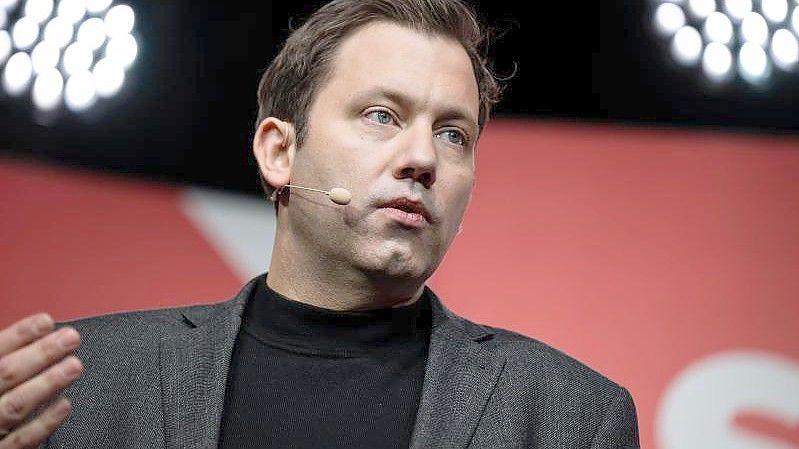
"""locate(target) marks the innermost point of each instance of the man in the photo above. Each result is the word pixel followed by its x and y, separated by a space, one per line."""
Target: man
pixel 341 345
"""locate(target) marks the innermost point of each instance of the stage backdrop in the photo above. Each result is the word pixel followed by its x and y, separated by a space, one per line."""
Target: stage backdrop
pixel 666 259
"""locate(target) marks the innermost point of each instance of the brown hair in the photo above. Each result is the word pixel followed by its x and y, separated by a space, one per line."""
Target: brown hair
pixel 289 84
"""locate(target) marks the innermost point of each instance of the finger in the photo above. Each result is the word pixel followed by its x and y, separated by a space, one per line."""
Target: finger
pixel 25 331
pixel 25 363
pixel 17 404
pixel 35 432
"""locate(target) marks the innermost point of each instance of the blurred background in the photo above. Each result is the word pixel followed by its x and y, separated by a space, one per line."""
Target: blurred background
pixel 637 197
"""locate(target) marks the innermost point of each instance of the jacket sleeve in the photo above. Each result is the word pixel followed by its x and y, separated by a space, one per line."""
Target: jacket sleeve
pixel 619 428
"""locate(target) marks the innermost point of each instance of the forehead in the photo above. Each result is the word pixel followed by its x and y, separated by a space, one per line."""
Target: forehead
pixel 433 71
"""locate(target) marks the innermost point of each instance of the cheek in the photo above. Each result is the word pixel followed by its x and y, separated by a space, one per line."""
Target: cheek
pixel 355 158
pixel 459 192
pixel 328 163
pixel 453 208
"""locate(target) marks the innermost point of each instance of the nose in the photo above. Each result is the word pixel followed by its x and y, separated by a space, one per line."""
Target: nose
pixel 418 159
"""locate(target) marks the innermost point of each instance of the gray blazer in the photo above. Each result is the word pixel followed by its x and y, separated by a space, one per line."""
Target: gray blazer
pixel 156 379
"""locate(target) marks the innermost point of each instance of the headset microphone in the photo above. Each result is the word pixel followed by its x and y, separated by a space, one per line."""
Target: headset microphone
pixel 337 195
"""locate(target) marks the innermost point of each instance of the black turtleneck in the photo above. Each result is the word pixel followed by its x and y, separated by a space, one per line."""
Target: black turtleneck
pixel 307 377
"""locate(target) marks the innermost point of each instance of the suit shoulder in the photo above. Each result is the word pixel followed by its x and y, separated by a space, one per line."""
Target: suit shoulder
pixel 549 366
pixel 137 324
pixel 556 388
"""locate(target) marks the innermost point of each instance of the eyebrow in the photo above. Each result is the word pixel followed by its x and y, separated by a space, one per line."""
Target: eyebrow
pixel 449 112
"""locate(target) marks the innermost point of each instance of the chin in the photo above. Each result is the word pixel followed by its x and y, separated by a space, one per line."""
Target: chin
pixel 393 264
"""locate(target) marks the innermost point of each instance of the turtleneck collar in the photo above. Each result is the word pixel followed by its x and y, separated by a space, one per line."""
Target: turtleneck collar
pixel 279 321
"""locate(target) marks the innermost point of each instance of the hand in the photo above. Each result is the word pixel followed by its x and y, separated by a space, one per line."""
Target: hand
pixel 35 364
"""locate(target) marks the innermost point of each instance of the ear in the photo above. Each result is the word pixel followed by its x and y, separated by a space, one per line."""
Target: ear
pixel 274 146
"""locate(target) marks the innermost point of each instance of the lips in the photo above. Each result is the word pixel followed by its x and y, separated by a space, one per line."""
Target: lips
pixel 409 206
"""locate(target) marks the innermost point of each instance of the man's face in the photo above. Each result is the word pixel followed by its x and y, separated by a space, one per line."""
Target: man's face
pixel 396 124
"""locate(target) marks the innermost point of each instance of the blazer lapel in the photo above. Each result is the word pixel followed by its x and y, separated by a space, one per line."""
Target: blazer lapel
pixel 194 367
pixel 462 369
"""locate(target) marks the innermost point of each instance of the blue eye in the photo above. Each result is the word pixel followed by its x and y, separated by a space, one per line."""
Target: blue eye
pixel 382 117
pixel 454 136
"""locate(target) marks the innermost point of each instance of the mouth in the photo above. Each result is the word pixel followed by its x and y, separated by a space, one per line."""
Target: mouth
pixel 408 212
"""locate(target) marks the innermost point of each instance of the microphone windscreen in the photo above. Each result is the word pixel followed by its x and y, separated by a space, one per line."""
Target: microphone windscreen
pixel 340 196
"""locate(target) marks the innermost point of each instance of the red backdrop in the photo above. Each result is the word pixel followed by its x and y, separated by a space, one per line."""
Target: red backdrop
pixel 666 259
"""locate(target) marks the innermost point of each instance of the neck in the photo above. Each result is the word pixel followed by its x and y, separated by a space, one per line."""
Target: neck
pixel 311 278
